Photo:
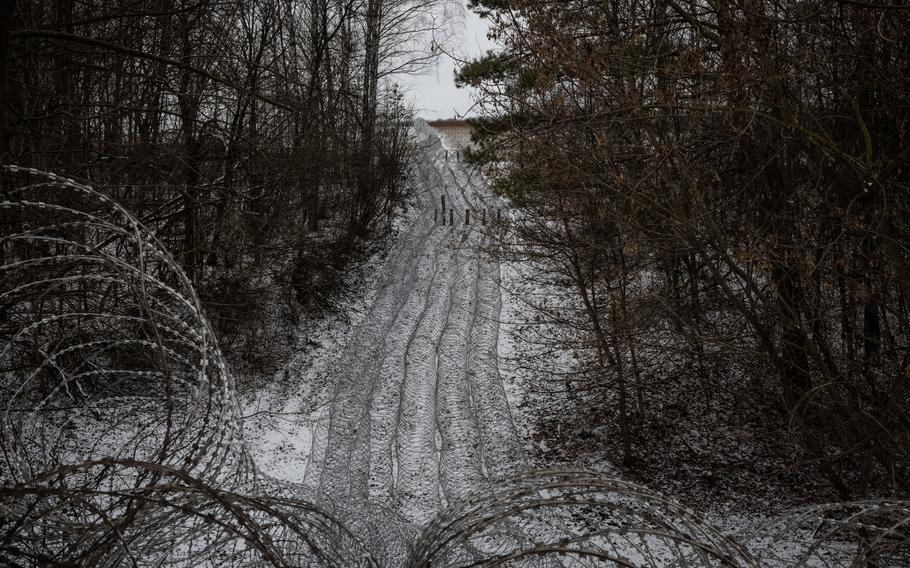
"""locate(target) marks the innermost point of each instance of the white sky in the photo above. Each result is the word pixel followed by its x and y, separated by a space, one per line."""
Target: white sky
pixel 433 93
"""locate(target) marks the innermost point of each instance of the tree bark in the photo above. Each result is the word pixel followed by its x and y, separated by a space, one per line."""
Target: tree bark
pixel 7 11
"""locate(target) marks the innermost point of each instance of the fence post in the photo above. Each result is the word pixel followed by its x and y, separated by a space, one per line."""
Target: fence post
pixel 483 217
pixel 451 216
pixel 467 216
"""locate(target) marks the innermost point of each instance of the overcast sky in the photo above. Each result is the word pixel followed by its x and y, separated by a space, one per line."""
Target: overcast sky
pixel 434 94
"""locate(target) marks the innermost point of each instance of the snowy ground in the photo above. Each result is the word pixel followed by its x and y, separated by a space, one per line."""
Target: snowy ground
pixel 418 390
pixel 402 407
pixel 280 417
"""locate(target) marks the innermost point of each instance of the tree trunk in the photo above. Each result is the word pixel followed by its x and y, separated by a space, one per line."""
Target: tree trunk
pixel 7 11
pixel 794 363
pixel 191 160
pixel 361 208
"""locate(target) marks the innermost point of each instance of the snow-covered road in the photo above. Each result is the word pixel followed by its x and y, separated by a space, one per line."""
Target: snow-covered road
pixel 419 415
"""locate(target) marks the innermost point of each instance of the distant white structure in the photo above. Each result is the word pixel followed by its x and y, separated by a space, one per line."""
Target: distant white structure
pixel 456 133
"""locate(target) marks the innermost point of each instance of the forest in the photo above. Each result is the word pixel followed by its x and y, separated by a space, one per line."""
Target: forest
pixel 256 310
pixel 260 141
pixel 723 189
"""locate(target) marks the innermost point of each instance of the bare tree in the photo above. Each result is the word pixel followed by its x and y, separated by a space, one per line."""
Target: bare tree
pixel 738 166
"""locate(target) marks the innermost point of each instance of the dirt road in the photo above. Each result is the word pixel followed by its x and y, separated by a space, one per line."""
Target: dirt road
pixel 419 415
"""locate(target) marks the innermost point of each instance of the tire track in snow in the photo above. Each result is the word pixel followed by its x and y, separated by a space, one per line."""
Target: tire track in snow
pixel 419 414
pixel 417 484
pixel 386 408
pixel 460 467
pixel 342 469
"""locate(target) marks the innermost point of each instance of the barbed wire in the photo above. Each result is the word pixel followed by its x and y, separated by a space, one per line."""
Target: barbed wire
pixel 119 427
pixel 862 533
pixel 122 443
pixel 576 515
